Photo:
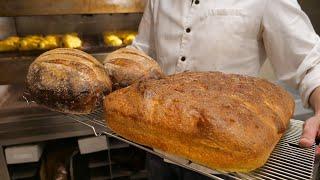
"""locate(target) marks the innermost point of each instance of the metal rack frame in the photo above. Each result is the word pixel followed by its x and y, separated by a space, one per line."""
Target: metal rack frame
pixel 288 160
pixel 49 7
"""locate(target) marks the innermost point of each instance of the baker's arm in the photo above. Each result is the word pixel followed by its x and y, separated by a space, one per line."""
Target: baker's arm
pixel 311 127
pixel 294 50
pixel 145 38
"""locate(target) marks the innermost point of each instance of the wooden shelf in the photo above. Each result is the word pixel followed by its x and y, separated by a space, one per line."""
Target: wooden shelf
pixel 63 7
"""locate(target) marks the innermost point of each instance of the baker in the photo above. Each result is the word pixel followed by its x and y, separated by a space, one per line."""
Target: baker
pixel 233 36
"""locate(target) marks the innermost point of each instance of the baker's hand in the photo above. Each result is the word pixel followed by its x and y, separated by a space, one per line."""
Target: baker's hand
pixel 311 129
pixel 311 132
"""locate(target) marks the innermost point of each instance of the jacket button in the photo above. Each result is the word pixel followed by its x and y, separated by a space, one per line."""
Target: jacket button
pixel 188 30
pixel 183 58
pixel 197 2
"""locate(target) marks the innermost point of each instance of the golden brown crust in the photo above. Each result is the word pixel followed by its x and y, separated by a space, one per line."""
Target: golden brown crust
pixel 223 121
pixel 72 52
pixel 127 65
pixel 68 80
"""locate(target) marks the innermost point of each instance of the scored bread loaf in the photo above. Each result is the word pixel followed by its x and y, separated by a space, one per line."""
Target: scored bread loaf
pixel 127 65
pixel 68 80
pixel 223 121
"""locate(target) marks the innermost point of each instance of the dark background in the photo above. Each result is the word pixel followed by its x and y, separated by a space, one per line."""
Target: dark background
pixel 312 8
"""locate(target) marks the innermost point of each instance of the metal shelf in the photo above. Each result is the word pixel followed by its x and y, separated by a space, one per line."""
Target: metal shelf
pixel 34 124
pixel 97 164
pixel 288 160
pixel 116 144
pixel 24 171
pixel 64 7
pixel 13 70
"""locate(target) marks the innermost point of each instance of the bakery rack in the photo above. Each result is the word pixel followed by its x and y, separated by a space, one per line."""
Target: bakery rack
pixel 287 161
pixel 63 7
pixel 88 18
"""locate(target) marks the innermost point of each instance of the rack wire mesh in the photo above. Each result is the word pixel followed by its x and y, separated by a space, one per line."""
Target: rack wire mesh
pixel 287 161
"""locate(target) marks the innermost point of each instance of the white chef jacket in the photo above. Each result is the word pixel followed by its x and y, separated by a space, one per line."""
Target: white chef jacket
pixel 233 36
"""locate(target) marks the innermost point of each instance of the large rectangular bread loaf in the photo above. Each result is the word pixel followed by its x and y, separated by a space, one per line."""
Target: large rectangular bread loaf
pixel 222 121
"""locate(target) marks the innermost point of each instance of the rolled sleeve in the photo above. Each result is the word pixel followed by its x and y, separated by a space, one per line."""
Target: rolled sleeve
pixel 308 74
pixel 292 46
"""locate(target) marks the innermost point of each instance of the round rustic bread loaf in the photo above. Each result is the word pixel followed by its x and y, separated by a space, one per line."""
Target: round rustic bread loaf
pixel 68 80
pixel 127 65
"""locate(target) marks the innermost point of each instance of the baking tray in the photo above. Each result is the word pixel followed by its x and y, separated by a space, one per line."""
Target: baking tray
pixel 287 161
pixel 14 65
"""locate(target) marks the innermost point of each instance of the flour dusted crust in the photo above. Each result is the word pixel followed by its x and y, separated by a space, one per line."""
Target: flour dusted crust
pixel 68 80
pixel 223 121
pixel 128 65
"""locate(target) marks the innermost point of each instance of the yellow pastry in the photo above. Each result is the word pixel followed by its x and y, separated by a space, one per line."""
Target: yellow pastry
pixel 31 42
pixel 112 40
pixel 71 40
pixel 49 42
pixel 9 44
pixel 129 39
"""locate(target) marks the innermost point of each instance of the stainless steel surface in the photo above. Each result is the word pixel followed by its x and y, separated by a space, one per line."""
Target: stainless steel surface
pixel 23 124
pixel 287 161
pixel 13 70
pixel 7 27
pixel 50 7
pixel 33 124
